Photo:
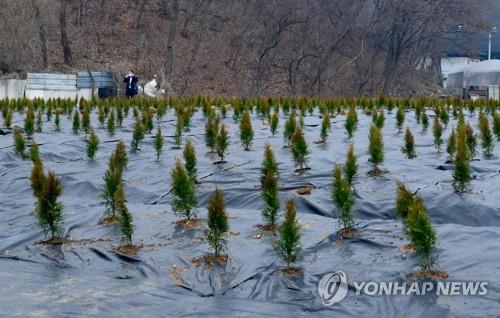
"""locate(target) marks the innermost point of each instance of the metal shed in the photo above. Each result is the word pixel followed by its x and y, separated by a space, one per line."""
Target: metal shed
pixel 45 85
pixel 480 80
pixel 101 84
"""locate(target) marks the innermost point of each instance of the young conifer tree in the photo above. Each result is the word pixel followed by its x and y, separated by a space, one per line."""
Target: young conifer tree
pixel 486 137
pixel 183 188
pixel 409 147
pixel 271 200
pixel 289 129
pixel 343 198
pixel 34 151
pixel 379 119
pixel 471 140
pixel 437 130
pixel 246 131
pixel 351 121
pixel 299 148
pixel 496 125
pixel 269 164
pixel 101 116
pixel 288 245
pixel 425 121
pixel 76 122
pixel 400 117
pixel 137 135
pixel 29 122
pixel 110 125
pixel 19 143
pixel 421 233
pixel 178 131
pixel 7 118
pixel 86 125
pixel 92 145
pixel 351 165
pixel 57 122
pixel 376 148
pixel 49 209
pixel 218 225
pixel 404 199
pixel 462 173
pixel 37 177
pixel 222 143
pixel 325 127
pixel 125 217
pixel 211 133
pixel 158 144
pixel 189 154
pixel 275 122
pixel 39 121
pixel 451 147
pixel 113 179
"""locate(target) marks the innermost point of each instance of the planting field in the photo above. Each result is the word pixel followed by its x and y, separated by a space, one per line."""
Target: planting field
pixel 168 275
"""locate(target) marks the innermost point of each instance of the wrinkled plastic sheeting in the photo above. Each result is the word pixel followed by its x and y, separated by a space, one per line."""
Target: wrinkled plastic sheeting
pixel 86 278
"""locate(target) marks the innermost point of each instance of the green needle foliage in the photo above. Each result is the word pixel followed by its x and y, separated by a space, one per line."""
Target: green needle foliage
pixel 451 148
pixel 189 154
pixel 39 121
pixel 404 199
pixel 217 223
pixel 400 117
pixel 110 125
pixel 376 148
pixel 7 119
pixel 289 129
pixel 378 119
pixel 125 217
pixel 211 133
pixel 343 198
pixel 19 143
pixel 86 126
pixel 119 116
pixel 486 136
pixel 325 127
pixel 421 233
pixel 49 210
pixel 409 148
pixel 471 141
pixel 437 131
pixel 299 148
pixel 222 142
pixel 92 145
pixel 137 135
pixel 246 131
pixel 462 173
pixel 113 179
pixel 158 143
pixel 57 122
pixel 101 116
pixel 29 122
pixel 351 165
pixel 425 121
pixel 34 151
pixel 288 245
pixel 271 200
pixel 351 121
pixel 76 122
pixel 178 131
pixel 496 125
pixel 37 177
pixel 185 201
pixel 269 163
pixel 275 122
pixel 119 158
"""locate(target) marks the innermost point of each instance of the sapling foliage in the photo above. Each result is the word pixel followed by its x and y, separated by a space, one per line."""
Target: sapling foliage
pixel 76 122
pixel 269 163
pixel 37 177
pixel 92 145
pixel 34 151
pixel 486 136
pixel 137 135
pixel 404 199
pixel 189 154
pixel 376 148
pixel 299 148
pixel 125 217
pixel 400 117
pixel 275 122
pixel 451 147
pixel 270 197
pixel 409 147
pixel 421 233
pixel 49 209
pixel 246 131
pixel 351 121
pixel 185 201
pixel 211 133
pixel 325 127
pixel 289 129
pixel 222 142
pixel 343 198
pixel 462 173
pixel 437 131
pixel 19 143
pixel 158 144
pixel 351 165
pixel 218 225
pixel 288 245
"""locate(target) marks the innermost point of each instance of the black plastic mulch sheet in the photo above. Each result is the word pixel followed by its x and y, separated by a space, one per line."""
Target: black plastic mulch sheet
pixel 86 278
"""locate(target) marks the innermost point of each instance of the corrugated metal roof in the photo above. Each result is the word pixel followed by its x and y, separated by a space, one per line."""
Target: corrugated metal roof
pixel 100 79
pixel 51 82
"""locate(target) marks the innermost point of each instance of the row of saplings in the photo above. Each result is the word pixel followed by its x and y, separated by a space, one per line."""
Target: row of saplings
pixel 47 188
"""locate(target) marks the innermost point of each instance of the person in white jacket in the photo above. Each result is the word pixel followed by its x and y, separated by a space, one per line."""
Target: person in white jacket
pixel 151 87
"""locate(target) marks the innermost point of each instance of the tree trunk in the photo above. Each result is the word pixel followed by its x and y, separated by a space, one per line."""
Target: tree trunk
pixel 41 34
pixel 68 59
pixel 172 33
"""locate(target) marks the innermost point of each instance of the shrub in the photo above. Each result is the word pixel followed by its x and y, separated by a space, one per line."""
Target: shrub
pixel 217 223
pixel 378 119
pixel 246 131
pixel 92 145
pixel 299 148
pixel 351 121
pixel 376 148
pixel 119 158
pixel 49 209
pixel 409 148
pixel 137 135
pixel 271 200
pixel 404 199
pixel 189 154
pixel 325 127
pixel 400 117
pixel 289 129
pixel 7 119
pixel 421 233
pixel 178 131
pixel 275 122
pixel 39 121
pixel 486 137
pixel 37 177
pixel 101 116
pixel 211 133
pixel 471 141
pixel 158 143
pixel 34 151
pixel 425 121
pixel 288 245
pixel 76 122
pixel 57 122
pixel 451 148
pixel 29 122
pixel 19 143
pixel 222 143
pixel 184 191
pixel 437 131
pixel 125 218
pixel 86 126
pixel 462 172
pixel 119 116
pixel 343 198
pixel 351 165
pixel 112 182
pixel 110 125
pixel 269 163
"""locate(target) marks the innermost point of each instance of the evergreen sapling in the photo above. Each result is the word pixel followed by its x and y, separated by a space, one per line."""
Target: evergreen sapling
pixel 189 154
pixel 217 223
pixel 185 201
pixel 288 245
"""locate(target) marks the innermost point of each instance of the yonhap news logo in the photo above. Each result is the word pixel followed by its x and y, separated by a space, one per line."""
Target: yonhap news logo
pixel 333 288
